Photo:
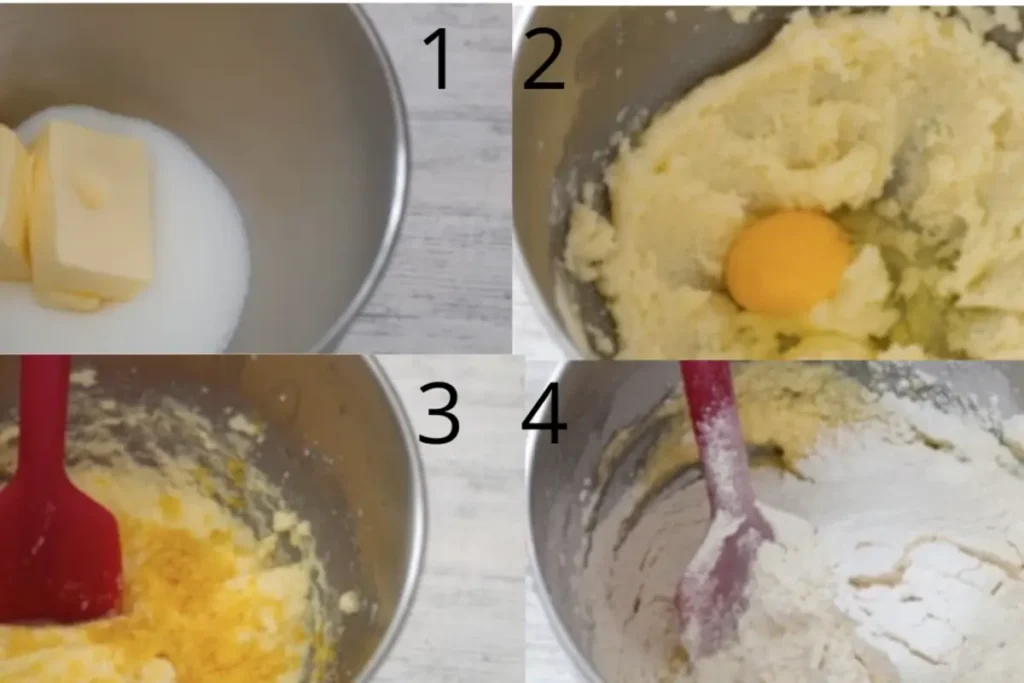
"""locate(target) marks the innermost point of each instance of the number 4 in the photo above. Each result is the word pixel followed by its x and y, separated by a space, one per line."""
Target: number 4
pixel 553 425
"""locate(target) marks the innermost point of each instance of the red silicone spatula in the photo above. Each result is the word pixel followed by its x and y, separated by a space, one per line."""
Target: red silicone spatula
pixel 60 554
pixel 710 596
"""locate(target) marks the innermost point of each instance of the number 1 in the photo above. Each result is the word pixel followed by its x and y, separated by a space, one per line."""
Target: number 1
pixel 438 35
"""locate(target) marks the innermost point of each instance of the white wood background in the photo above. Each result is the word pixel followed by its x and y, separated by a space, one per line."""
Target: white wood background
pixel 530 339
pixel 467 623
pixel 448 286
pixel 474 621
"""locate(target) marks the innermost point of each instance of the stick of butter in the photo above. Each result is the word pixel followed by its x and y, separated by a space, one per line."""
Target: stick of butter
pixel 66 301
pixel 91 229
pixel 14 258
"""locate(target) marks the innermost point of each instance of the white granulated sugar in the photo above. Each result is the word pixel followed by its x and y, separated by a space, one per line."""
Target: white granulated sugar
pixel 898 557
pixel 201 266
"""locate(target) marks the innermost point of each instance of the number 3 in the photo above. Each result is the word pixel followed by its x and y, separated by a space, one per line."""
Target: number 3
pixel 445 411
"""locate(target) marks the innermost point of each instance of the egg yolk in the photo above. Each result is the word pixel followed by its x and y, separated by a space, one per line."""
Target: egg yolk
pixel 786 263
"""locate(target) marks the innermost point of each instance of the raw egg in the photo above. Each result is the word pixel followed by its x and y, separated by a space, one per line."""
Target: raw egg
pixel 786 263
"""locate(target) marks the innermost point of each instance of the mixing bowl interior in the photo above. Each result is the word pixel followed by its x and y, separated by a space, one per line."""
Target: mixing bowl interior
pixel 294 107
pixel 336 443
pixel 620 65
pixel 598 400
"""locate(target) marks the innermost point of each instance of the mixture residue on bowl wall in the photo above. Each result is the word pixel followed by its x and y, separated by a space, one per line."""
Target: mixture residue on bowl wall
pixel 900 540
pixel 208 596
pixel 902 125
pixel 201 260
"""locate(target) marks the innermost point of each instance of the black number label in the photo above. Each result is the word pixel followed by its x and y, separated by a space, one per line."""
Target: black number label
pixel 438 35
pixel 445 412
pixel 553 425
pixel 532 83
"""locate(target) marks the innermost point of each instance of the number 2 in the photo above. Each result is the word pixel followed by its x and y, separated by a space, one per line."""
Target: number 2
pixel 532 83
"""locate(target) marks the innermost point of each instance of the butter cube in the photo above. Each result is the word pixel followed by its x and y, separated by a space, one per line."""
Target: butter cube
pixel 65 301
pixel 91 227
pixel 14 177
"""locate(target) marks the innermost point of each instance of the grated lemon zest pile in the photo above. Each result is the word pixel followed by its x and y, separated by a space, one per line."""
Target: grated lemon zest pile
pixel 194 602
pixel 205 597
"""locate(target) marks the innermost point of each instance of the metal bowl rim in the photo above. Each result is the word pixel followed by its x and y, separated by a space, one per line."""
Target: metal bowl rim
pixel 399 198
pixel 419 505
pixel 548 318
pixel 582 664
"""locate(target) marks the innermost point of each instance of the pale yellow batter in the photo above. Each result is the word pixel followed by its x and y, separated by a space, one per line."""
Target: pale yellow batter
pixel 906 127
pixel 206 599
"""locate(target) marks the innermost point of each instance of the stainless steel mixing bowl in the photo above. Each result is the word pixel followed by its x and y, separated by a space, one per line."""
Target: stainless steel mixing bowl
pixel 360 484
pixel 597 399
pixel 295 107
pixel 619 66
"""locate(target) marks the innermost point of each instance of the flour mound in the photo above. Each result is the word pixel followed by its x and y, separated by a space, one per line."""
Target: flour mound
pixel 792 593
pixel 898 513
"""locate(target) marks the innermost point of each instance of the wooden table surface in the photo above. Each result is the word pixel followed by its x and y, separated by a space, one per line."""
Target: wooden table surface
pixel 452 292
pixel 530 339
pixel 475 620
pixel 448 286
pixel 467 623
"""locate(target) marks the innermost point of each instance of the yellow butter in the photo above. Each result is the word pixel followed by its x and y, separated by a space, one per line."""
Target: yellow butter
pixel 65 301
pixel 91 224
pixel 14 176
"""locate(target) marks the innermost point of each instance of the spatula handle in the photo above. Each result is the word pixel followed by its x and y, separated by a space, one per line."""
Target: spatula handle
pixel 43 408
pixel 716 426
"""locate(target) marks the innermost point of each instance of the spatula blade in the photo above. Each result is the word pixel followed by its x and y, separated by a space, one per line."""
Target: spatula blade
pixel 64 568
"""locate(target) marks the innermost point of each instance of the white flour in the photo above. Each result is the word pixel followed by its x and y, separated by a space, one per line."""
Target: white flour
pixel 710 618
pixel 792 593
pixel 913 573
pixel 712 594
pixel 724 440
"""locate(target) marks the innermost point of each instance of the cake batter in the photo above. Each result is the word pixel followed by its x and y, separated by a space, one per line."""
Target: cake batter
pixel 850 192
pixel 206 596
